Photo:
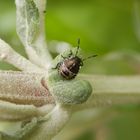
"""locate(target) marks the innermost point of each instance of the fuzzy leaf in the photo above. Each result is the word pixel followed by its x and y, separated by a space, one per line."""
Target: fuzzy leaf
pixel 27 21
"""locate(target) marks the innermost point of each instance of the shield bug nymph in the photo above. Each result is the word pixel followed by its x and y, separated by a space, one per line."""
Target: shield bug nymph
pixel 71 65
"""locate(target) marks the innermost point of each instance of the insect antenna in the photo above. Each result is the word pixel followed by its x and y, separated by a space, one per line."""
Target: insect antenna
pixel 89 57
pixel 63 57
pixel 77 46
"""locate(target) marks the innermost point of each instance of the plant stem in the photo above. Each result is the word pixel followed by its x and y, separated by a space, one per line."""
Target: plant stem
pixel 112 90
pixel 41 5
pixel 107 90
pixel 31 30
pixel 52 123
pixel 10 56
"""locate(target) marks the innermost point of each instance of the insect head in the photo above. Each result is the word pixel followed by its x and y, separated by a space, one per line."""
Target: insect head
pixel 70 66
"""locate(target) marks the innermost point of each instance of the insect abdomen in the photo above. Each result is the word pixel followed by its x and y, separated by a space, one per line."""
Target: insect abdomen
pixel 66 73
pixel 69 68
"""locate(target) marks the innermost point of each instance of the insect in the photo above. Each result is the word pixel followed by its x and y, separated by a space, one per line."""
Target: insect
pixel 37 97
pixel 71 65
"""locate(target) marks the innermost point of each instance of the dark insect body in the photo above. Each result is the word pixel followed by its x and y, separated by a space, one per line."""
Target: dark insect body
pixel 69 68
pixel 71 65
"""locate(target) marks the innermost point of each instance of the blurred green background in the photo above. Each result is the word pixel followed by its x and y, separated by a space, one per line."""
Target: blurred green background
pixel 109 28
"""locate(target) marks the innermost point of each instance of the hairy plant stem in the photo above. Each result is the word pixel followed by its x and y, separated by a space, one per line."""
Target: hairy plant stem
pixel 52 123
pixel 10 56
pixel 31 30
pixel 107 90
pixel 112 90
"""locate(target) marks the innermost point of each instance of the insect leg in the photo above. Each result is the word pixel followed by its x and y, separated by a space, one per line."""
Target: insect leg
pixel 78 47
